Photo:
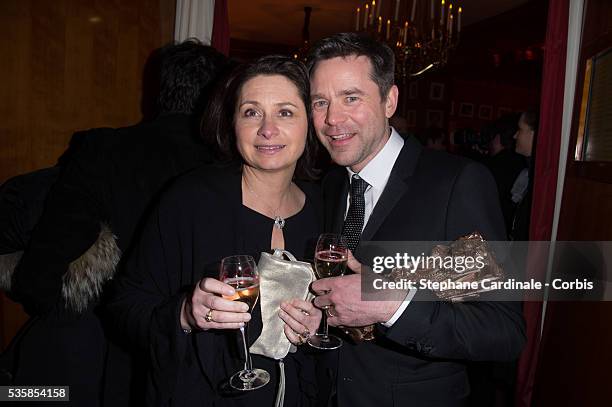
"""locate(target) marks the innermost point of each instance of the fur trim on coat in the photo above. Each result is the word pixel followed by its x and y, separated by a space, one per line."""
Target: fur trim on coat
pixel 8 263
pixel 86 275
pixel 83 282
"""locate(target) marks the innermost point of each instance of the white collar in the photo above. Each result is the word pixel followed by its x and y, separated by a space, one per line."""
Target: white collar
pixel 377 171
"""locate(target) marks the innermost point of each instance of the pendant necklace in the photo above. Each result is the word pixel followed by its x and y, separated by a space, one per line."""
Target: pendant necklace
pixel 279 221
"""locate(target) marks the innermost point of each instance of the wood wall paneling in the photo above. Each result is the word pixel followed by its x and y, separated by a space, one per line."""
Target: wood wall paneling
pixel 69 65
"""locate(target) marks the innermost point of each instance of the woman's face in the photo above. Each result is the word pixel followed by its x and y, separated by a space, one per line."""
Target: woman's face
pixel 270 122
pixel 524 138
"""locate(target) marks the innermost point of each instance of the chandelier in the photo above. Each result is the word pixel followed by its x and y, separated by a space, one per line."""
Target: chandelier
pixel 422 33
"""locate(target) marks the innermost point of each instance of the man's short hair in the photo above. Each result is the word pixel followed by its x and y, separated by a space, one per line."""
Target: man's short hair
pixel 187 71
pixel 352 44
pixel 532 119
pixel 506 126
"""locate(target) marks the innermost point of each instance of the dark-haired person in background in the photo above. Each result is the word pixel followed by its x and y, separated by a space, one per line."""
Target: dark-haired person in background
pixel 90 219
pixel 169 300
pixel 22 201
pixel 522 189
pixel 400 124
pixel 390 189
pixel 434 138
pixel 504 163
pixel 494 382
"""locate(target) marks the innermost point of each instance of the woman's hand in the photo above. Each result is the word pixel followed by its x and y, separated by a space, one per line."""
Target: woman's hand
pixel 301 319
pixel 205 309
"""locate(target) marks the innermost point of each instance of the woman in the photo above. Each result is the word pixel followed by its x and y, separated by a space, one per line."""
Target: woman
pixel 169 300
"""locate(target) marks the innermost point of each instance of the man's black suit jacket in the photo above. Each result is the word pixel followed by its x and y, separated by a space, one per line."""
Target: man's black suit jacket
pixel 419 361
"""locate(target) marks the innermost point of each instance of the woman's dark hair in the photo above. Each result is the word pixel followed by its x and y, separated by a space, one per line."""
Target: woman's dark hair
pixel 218 121
pixel 352 44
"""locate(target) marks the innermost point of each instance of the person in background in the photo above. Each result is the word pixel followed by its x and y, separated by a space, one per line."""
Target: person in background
pixel 434 138
pixel 400 124
pixel 89 222
pixel 504 163
pixel 22 201
pixel 522 189
pixel 494 383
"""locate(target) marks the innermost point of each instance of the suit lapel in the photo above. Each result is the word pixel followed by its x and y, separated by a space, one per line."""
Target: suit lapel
pixel 395 189
pixel 398 184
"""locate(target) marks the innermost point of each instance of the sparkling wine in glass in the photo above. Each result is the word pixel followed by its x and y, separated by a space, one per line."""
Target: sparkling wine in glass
pixel 247 290
pixel 331 256
pixel 330 263
pixel 241 273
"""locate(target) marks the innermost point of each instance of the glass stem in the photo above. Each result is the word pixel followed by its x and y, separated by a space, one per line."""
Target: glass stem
pixel 325 326
pixel 248 366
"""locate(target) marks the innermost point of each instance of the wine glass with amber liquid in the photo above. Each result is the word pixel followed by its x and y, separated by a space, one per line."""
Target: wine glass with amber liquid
pixel 241 273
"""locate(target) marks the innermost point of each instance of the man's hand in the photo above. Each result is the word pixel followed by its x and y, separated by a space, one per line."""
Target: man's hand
pixel 353 263
pixel 343 295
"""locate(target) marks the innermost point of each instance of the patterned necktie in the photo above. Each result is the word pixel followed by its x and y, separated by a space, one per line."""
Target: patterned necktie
pixel 353 224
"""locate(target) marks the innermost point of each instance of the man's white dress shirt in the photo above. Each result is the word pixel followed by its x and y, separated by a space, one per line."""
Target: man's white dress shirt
pixel 376 173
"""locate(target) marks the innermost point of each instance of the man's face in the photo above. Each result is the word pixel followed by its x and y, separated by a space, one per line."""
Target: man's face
pixel 524 138
pixel 349 116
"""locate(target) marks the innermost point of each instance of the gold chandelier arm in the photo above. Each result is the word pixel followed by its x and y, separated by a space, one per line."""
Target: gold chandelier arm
pixel 422 71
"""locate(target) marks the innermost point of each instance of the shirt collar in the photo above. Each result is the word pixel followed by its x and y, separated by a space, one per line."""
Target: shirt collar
pixel 377 171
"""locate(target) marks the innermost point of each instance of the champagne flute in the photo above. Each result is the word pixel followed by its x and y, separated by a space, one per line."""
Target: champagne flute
pixel 331 257
pixel 241 273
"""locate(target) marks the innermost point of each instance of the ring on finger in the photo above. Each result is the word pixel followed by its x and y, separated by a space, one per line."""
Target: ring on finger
pixel 301 339
pixel 305 334
pixel 209 316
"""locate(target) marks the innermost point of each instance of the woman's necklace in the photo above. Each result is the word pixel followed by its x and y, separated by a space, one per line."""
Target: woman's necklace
pixel 279 221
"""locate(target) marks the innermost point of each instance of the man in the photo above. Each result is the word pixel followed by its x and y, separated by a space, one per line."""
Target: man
pixel 394 190
pixel 522 188
pixel 434 138
pixel 91 218
pixel 504 163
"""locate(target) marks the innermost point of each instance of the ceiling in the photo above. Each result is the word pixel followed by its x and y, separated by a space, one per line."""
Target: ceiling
pixel 281 21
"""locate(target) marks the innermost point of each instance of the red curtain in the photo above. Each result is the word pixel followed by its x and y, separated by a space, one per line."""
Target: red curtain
pixel 221 33
pixel 545 182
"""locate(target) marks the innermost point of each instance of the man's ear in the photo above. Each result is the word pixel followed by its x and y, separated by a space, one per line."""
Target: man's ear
pixel 391 101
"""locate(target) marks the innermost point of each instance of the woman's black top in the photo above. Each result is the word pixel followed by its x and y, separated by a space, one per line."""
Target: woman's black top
pixel 199 221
